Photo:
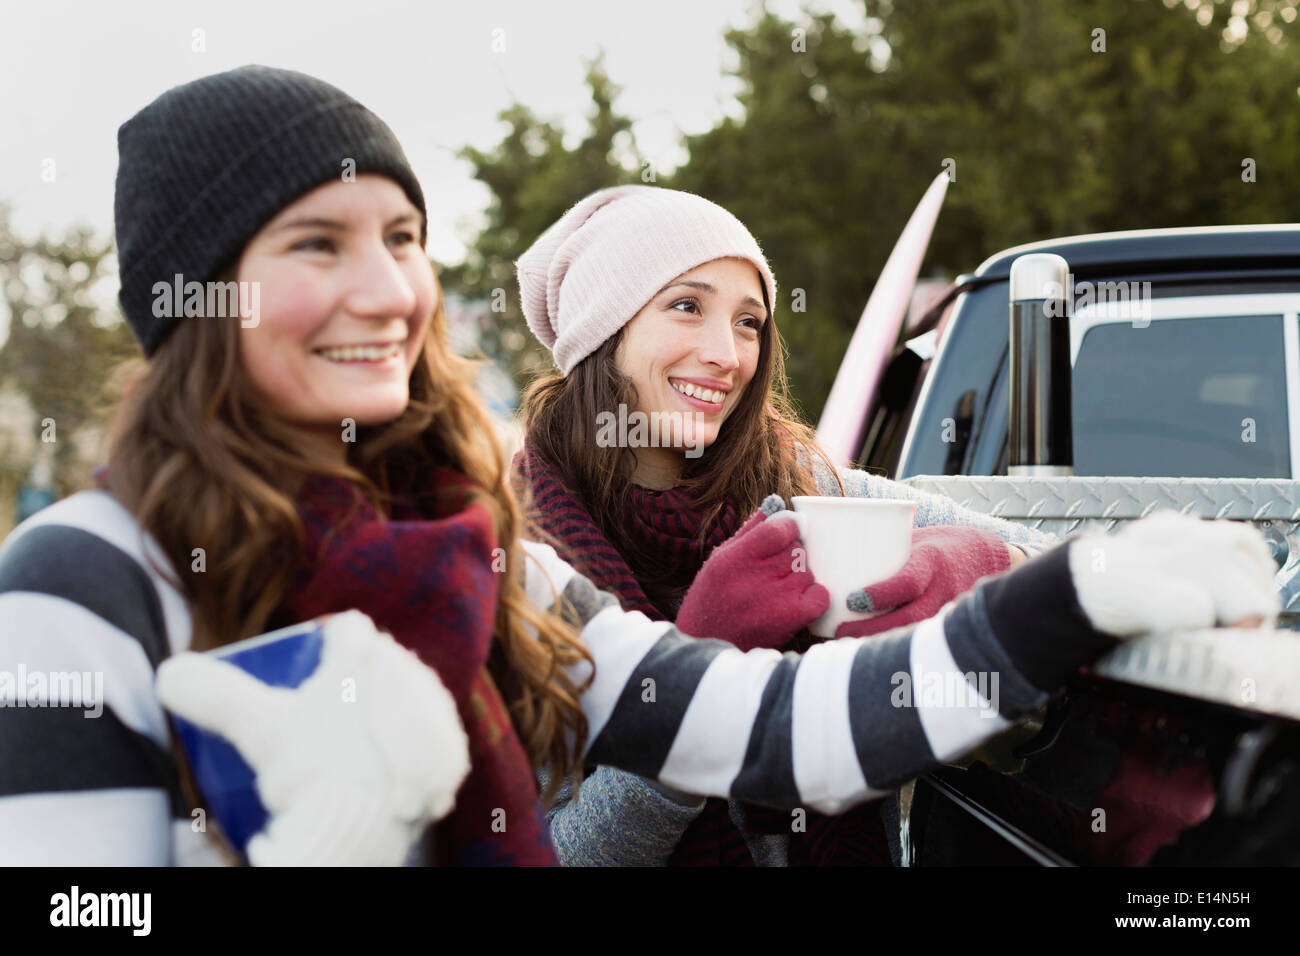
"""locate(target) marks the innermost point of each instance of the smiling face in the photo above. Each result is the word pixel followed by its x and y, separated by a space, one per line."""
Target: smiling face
pixel 345 297
pixel 691 351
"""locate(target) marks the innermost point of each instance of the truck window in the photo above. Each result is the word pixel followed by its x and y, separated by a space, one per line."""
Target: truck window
pixel 959 387
pixel 1184 394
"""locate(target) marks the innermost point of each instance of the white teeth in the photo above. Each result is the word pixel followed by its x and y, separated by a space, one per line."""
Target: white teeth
pixel 360 353
pixel 695 391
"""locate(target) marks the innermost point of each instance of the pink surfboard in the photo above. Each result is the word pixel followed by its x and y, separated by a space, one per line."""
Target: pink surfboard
pixel 840 429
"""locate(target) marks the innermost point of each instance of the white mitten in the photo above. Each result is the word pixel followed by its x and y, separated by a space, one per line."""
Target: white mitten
pixel 1171 572
pixel 351 765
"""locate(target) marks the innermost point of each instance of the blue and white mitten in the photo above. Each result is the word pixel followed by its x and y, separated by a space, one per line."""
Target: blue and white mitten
pixel 352 764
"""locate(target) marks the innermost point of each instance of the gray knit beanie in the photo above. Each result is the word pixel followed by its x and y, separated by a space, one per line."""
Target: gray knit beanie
pixel 208 163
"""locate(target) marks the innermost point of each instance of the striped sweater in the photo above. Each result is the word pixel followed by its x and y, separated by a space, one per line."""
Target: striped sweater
pixel 624 820
pixel 78 596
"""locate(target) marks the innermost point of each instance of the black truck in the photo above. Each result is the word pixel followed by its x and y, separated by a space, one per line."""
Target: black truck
pixel 1168 376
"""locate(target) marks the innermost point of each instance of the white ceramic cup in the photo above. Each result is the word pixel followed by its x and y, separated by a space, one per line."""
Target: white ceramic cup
pixel 852 543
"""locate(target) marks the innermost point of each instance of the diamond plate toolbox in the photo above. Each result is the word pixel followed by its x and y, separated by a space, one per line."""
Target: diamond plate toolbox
pixel 1067 506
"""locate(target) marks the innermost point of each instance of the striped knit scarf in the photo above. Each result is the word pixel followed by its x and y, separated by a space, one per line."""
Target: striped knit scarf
pixel 666 523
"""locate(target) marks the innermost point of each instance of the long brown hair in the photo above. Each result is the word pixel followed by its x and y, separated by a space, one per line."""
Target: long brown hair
pixel 757 451
pixel 202 464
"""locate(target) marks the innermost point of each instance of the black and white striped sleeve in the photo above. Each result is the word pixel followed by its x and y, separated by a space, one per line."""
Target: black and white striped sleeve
pixel 847 721
pixel 86 773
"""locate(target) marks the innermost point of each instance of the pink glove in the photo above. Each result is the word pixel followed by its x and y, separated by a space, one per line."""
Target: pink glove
pixel 753 591
pixel 946 561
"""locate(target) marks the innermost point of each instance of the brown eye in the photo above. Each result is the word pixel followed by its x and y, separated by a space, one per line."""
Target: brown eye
pixel 314 244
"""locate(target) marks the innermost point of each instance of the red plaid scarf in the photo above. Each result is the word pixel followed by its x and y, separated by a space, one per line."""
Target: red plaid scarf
pixel 666 523
pixel 425 577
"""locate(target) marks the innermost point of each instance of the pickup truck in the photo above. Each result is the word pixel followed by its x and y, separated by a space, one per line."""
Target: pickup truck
pixel 1182 391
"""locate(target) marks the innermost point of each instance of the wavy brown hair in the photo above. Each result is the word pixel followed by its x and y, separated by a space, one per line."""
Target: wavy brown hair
pixel 761 449
pixel 202 463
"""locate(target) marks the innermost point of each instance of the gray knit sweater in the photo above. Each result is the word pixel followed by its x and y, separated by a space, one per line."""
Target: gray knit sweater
pixel 620 819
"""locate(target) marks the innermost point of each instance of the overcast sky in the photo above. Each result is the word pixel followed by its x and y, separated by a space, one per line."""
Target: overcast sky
pixel 72 72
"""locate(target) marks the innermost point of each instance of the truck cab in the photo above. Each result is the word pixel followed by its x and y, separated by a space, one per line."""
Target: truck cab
pixel 1197 376
pixel 1184 355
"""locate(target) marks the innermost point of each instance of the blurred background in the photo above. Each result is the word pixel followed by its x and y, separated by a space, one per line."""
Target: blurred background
pixel 819 124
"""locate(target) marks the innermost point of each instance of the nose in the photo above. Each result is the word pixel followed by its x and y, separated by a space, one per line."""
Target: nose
pixel 380 289
pixel 718 346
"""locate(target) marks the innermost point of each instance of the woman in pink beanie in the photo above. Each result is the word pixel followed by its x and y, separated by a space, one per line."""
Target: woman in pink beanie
pixel 658 308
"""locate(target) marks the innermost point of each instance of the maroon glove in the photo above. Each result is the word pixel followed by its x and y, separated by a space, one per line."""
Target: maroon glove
pixel 946 561
pixel 749 592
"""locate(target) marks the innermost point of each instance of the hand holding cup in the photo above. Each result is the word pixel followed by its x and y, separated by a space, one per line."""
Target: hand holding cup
pixel 755 590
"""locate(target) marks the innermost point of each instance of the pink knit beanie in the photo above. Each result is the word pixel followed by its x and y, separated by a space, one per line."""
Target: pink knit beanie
pixel 602 261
